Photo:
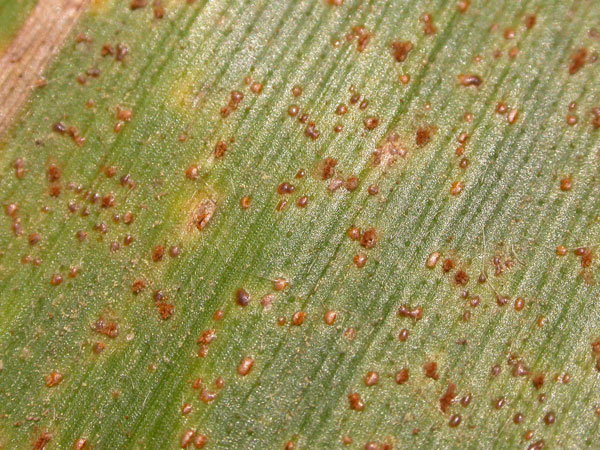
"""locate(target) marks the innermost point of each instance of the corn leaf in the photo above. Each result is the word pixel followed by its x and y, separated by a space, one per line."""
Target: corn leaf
pixel 305 224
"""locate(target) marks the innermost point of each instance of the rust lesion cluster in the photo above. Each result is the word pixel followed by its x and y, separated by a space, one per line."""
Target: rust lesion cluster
pixel 388 152
pixel 361 35
pixel 367 239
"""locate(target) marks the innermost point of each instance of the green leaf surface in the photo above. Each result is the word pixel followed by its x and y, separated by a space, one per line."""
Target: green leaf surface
pixel 440 165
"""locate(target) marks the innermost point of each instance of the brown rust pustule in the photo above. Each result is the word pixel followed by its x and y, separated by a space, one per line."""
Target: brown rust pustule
pixel 578 60
pixel 245 366
pixel 469 79
pixel 369 238
pixel 430 368
pixel 448 398
pixel 311 131
pixel 423 136
pixel 242 297
pixel 413 313
pixel 401 49
pixel 107 328
pixel 401 376
pixel 356 402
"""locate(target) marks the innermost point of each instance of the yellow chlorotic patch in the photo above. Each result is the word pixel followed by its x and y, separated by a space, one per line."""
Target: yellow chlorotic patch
pixel 195 214
pixel 185 94
pixel 100 6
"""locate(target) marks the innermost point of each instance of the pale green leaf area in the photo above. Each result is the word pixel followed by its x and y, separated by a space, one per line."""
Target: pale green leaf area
pixel 500 232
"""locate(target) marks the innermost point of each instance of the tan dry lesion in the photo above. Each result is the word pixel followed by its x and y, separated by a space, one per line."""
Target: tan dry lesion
pixel 203 213
pixel 389 151
pixel 198 212
pixel 400 143
pixel 24 61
